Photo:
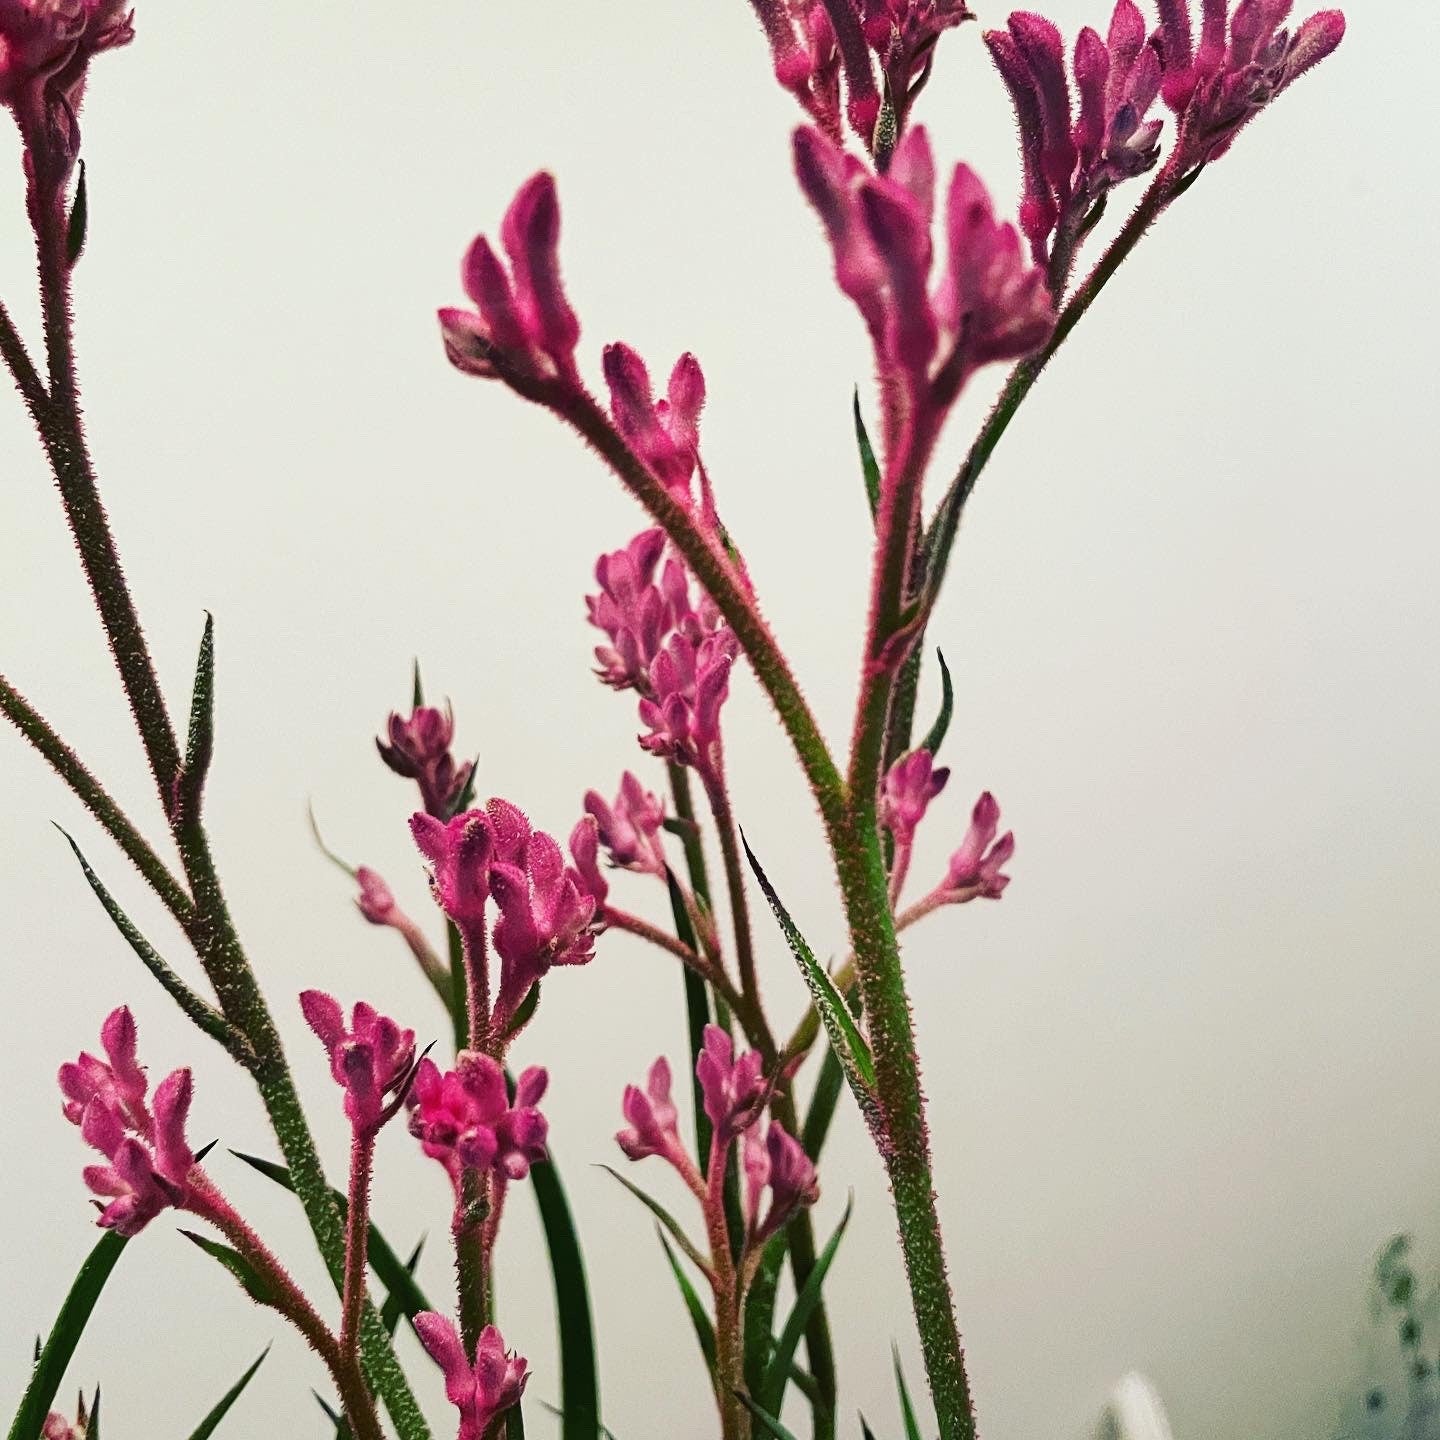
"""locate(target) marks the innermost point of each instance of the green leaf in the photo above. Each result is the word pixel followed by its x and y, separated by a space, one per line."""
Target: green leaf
pixel 773 1392
pixel 200 743
pixel 936 735
pixel 417 689
pixel 907 1409
pixel 69 1325
pixel 79 221
pixel 760 1313
pixel 204 1015
pixel 828 1085
pixel 866 1433
pixel 466 797
pixel 663 1216
pixel 515 1422
pixel 252 1282
pixel 697 1013
pixel 524 1012
pixel 384 1261
pixel 769 1423
pixel 868 463
pixel 704 1330
pixel 211 1422
pixel 850 1046
pixel 341 1424
pixel 92 1422
pixel 393 1310
pixel 579 1370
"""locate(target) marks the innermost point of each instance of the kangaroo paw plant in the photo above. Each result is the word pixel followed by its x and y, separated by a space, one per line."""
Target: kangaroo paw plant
pixel 676 609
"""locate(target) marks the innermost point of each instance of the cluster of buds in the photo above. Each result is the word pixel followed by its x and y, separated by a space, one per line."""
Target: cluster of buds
pixel 60 1427
pixel 885 49
pixel 665 433
pixel 464 1118
pixel 630 828
pixel 45 51
pixel 482 1386
pixel 419 750
pixel 974 871
pixel 148 1158
pixel 675 652
pixel 735 1093
pixel 988 304
pixel 1072 160
pixel 547 910
pixel 372 1059
pixel 1245 58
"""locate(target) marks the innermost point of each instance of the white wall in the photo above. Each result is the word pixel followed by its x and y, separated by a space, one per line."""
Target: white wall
pixel 1182 1079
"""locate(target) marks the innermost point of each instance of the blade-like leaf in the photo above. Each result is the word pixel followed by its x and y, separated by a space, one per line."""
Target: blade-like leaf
pixel 868 463
pixel 211 1422
pixel 828 1086
pixel 417 689
pixel 704 1330
pixel 392 1311
pixel 907 1409
pixel 663 1216
pixel 341 1424
pixel 79 220
pixel 252 1282
pixel 866 1433
pixel 697 1012
pixel 210 1020
pixel 936 735
pixel 768 1423
pixel 851 1047
pixel 579 1369
pixel 200 741
pixel 92 1421
pixel 760 1313
pixel 778 1374
pixel 515 1422
pixel 69 1325
pixel 386 1264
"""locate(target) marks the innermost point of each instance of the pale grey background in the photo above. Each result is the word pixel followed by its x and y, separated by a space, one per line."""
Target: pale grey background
pixel 1183 1079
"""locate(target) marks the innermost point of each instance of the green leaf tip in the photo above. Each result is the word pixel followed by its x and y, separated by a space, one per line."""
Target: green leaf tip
pixel 936 734
pixel 870 467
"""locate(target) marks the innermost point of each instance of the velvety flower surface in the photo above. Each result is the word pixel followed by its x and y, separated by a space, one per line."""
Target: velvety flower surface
pixel 148 1157
pixel 653 1120
pixel 689 683
pixel 733 1087
pixel 630 828
pixel 664 433
pixel 910 784
pixel 481 1387
pixel 370 1057
pixel 464 1119
pixel 419 749
pixel 975 868
pixel 459 851
pixel 775 1161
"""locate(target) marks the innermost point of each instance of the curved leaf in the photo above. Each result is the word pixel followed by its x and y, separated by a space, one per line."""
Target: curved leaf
pixel 768 1422
pixel 663 1216
pixel 211 1422
pixel 704 1330
pixel 907 1409
pixel 869 466
pixel 936 734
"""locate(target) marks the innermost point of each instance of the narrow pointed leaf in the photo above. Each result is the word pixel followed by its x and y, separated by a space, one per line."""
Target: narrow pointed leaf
pixel 203 1014
pixel 704 1330
pixel 384 1261
pixel 907 1409
pixel 868 463
pixel 579 1368
pixel 393 1310
pixel 936 735
pixel 341 1424
pixel 92 1425
pixel 663 1216
pixel 697 1012
pixel 515 1422
pixel 69 1325
pixel 778 1373
pixel 211 1422
pixel 866 1433
pixel 768 1423
pixel 252 1282
pixel 79 220
pixel 828 1085
pixel 760 1314
pixel 417 689
pixel 200 742
pixel 851 1047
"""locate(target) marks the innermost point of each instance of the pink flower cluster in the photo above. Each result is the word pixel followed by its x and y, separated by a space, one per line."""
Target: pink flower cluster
pixel 482 1387
pixel 371 1058
pixel 676 653
pixel 547 911
pixel 1244 59
pixel 812 42
pixel 464 1119
pixel 974 869
pixel 1070 161
pixel 663 433
pixel 629 828
pixel 148 1158
pixel 419 750
pixel 988 304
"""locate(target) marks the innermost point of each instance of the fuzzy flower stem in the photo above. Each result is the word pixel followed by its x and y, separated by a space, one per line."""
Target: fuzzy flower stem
pixel 644 930
pixel 477 989
pixel 21 367
pixel 357 1238
pixel 471 1261
pixel 729 1337
pixel 851 827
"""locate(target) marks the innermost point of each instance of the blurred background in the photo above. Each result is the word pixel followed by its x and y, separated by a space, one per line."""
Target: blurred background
pixel 1183 1079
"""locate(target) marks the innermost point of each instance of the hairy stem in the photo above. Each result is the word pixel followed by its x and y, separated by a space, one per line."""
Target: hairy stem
pixel 357 1238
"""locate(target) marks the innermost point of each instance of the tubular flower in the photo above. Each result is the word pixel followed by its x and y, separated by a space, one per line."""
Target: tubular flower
pixel 419 749
pixel 372 1059
pixel 910 784
pixel 149 1158
pixel 633 610
pixel 664 433
pixel 1072 159
pixel 459 851
pixel 547 915
pixel 464 1119
pixel 974 870
pixel 522 329
pixel 690 682
pixel 1245 58
pixel 733 1087
pixel 585 852
pixel 652 1116
pixel 777 1161
pixel 988 304
pixel 630 828
pixel 481 1389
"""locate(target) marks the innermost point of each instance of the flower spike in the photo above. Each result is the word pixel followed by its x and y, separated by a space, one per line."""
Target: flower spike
pixel 372 1058
pixel 482 1387
pixel 419 750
